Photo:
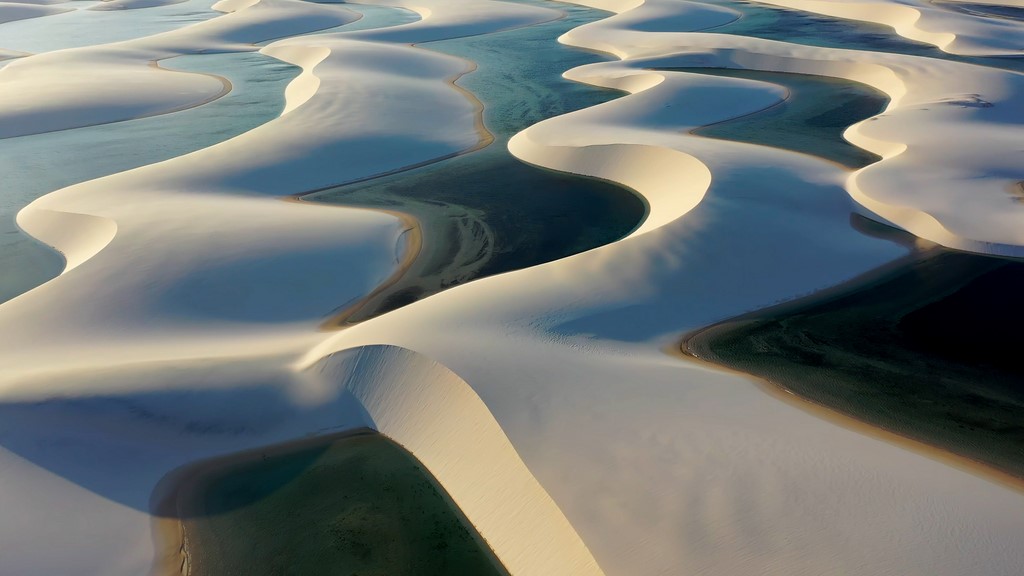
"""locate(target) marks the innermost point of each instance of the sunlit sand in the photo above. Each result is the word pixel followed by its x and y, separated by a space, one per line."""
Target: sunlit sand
pixel 211 303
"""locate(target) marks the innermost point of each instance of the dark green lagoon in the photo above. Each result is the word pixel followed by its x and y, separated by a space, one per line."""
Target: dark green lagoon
pixel 929 349
pixel 926 347
pixel 349 505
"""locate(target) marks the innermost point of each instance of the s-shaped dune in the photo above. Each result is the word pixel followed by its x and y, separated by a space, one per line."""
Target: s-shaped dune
pixel 187 321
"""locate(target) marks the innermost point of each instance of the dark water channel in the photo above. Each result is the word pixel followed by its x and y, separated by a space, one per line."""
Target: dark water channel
pixel 485 212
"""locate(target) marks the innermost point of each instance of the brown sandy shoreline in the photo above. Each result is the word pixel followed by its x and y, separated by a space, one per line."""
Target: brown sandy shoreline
pixel 413 227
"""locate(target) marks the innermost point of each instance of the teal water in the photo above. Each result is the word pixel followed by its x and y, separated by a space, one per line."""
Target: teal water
pixel 985 10
pixel 811 121
pixel 36 165
pixel 486 212
pixel 927 349
pixel 91 27
pixel 373 17
pixel 787 25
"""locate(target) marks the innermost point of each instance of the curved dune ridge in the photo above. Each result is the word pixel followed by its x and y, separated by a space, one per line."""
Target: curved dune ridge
pixel 931 22
pixel 187 321
pixel 949 149
pixel 437 416
pixel 11 11
pixel 566 355
pixel 195 260
pixel 113 82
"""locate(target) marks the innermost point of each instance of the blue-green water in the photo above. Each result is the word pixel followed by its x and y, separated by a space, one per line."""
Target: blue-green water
pixel 486 212
pixel 36 165
pixel 929 348
pixel 811 121
pixel 91 27
pixel 788 25
pixel 373 17
pixel 985 10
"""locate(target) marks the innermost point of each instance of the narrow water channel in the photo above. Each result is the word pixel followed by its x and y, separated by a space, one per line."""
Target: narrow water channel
pixel 811 120
pixel 485 212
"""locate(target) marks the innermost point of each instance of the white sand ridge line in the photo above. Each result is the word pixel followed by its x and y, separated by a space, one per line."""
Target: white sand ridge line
pixel 115 82
pixel 936 23
pixel 944 188
pixel 11 11
pixel 192 267
pixel 663 467
pixel 337 127
pixel 108 5
pixel 438 417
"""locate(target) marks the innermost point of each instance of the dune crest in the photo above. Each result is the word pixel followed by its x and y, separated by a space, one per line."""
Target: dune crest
pixel 948 147
pixel 121 81
pixel 936 23
pixel 435 415
pixel 663 466
pixel 195 263
pixel 188 323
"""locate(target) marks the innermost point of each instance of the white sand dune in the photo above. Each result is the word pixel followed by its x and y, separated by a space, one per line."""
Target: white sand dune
pixel 668 468
pixel 109 83
pixel 132 4
pixel 951 149
pixel 40 2
pixel 194 269
pixel 186 324
pixel 9 11
pixel 228 192
pixel 935 23
pixel 439 418
pixel 665 468
pixel 452 19
pixel 81 27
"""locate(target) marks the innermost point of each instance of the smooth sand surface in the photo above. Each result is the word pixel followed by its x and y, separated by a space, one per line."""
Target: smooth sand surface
pixel 188 321
pixel 686 351
pixel 936 23
pixel 10 12
pixel 700 472
pixel 115 82
pixel 213 271
pixel 907 346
